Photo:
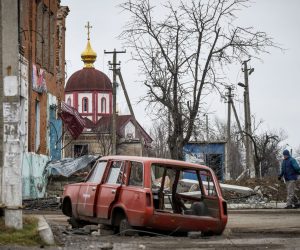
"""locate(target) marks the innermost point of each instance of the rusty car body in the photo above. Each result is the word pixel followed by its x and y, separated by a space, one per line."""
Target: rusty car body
pixel 138 192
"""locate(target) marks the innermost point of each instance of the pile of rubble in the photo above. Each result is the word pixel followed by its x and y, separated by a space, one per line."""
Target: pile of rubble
pixel 268 193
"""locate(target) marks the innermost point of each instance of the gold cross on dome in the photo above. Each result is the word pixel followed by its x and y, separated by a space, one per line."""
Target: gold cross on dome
pixel 88 26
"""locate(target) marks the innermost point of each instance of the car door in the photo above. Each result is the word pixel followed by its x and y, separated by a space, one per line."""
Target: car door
pixel 109 190
pixel 88 190
pixel 134 196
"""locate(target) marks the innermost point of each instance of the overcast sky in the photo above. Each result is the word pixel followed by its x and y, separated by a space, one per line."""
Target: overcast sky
pixel 274 85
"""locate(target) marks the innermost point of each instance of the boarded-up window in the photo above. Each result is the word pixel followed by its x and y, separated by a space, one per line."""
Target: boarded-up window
pixel 37 126
pixel 39 34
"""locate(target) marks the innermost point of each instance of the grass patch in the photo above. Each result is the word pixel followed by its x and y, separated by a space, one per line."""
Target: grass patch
pixel 28 236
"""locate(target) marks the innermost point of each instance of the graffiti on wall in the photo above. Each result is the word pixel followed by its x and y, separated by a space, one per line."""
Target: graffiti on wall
pixel 38 79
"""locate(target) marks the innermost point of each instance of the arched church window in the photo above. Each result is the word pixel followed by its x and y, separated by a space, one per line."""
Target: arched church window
pixel 69 101
pixel 103 105
pixel 85 104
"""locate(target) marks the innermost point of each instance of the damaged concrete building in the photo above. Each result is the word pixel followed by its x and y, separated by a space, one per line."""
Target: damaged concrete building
pixel 41 69
pixel 42 43
pixel 32 69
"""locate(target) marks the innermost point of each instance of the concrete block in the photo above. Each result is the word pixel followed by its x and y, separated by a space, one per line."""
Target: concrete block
pixel 45 231
pixel 14 218
pixel 90 228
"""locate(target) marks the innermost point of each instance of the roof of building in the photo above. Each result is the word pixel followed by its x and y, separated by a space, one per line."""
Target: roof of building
pixel 104 125
pixel 72 119
pixel 88 79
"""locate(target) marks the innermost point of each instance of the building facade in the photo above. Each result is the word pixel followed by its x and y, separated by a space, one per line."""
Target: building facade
pixel 42 58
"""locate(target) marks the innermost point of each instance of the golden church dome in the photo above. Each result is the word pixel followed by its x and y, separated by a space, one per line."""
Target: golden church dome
pixel 88 56
pixel 88 79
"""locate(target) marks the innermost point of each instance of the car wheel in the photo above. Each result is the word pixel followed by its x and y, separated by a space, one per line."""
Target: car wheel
pixel 125 228
pixel 207 233
pixel 75 223
pixel 218 233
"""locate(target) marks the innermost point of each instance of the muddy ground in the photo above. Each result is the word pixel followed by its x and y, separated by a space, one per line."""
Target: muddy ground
pixel 246 229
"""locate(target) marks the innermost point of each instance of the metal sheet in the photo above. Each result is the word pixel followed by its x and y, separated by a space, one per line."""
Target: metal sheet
pixel 68 166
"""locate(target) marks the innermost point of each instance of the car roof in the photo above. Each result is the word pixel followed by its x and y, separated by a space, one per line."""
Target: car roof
pixel 178 163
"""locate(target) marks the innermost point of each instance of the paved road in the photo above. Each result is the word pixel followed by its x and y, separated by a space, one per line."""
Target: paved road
pixel 265 220
pixel 246 229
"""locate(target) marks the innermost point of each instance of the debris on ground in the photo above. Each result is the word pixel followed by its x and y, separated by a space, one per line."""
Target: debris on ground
pixel 67 171
pixel 266 190
pixel 52 203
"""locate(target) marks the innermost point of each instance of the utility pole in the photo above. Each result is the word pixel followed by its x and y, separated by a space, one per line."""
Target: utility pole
pixel 238 122
pixel 11 145
pixel 114 65
pixel 242 135
pixel 125 92
pixel 228 139
pixel 206 127
pixel 248 129
pixel 131 109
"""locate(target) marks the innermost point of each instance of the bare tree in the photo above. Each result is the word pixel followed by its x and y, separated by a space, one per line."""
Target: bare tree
pixel 297 151
pixel 104 138
pixel 267 151
pixel 182 50
pixel 159 134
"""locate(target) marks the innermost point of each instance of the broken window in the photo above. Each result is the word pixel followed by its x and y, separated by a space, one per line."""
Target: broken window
pixel 97 172
pixel 208 183
pixel 173 193
pixel 80 150
pixel 136 174
pixel 117 173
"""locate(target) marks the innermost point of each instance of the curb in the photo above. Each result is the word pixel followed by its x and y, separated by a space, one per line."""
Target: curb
pixel 264 211
pixel 266 231
pixel 44 230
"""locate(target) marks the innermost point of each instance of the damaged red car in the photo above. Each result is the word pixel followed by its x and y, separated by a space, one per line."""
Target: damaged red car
pixel 127 192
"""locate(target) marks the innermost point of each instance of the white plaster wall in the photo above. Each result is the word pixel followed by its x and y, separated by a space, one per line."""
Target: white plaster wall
pixel 88 116
pixel 106 96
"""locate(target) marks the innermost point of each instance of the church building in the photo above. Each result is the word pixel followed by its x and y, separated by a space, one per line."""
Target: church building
pixel 89 92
